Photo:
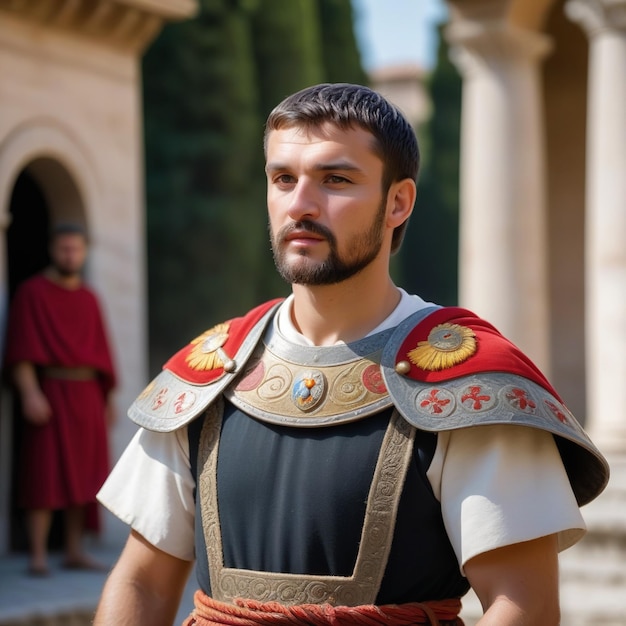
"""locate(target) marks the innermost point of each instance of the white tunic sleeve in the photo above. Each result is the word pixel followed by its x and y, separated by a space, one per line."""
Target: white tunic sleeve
pixel 151 489
pixel 502 484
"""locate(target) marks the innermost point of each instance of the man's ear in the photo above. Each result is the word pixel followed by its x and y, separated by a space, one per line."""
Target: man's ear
pixel 400 201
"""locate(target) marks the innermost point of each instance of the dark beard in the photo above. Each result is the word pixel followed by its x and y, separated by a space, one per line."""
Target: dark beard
pixel 334 269
pixel 65 272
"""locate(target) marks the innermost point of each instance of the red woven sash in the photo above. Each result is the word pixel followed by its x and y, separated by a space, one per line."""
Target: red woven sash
pixel 209 612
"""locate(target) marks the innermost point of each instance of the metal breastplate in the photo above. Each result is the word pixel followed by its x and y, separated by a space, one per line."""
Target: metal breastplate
pixel 308 386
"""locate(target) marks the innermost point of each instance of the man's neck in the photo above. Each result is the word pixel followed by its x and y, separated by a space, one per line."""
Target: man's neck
pixel 345 312
pixel 68 281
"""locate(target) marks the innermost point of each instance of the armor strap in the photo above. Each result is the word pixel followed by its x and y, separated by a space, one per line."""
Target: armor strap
pixel 290 589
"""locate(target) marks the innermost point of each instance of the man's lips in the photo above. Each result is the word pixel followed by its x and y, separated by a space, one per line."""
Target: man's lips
pixel 304 236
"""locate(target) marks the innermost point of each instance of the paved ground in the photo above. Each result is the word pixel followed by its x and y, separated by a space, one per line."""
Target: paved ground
pixel 593 589
pixel 67 598
pixel 69 595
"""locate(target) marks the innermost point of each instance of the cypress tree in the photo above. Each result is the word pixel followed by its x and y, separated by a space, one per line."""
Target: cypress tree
pixel 287 48
pixel 428 260
pixel 201 119
pixel 287 52
pixel 209 84
pixel 340 53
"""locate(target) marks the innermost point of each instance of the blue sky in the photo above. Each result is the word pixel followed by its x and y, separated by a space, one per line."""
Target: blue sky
pixel 393 32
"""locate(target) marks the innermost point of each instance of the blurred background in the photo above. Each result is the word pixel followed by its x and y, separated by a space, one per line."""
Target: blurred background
pixel 143 120
pixel 208 87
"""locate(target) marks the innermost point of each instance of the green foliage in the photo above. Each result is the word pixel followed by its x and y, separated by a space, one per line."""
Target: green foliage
pixel 209 84
pixel 203 182
pixel 287 48
pixel 429 257
pixel 340 55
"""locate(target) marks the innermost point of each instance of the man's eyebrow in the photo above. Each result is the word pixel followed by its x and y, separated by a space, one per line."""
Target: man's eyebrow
pixel 337 165
pixel 345 166
pixel 275 167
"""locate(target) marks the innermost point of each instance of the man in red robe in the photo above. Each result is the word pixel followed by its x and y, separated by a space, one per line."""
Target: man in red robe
pixel 60 362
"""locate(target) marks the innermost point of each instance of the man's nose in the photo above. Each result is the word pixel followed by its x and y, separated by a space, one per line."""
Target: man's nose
pixel 304 201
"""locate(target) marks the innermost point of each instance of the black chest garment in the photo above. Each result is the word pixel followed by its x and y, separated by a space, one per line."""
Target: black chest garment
pixel 293 500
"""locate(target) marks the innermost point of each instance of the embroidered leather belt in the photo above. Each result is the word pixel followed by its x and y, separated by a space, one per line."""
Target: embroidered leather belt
pixel 69 373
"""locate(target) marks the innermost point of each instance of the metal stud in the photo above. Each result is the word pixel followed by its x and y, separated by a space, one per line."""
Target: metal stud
pixel 403 367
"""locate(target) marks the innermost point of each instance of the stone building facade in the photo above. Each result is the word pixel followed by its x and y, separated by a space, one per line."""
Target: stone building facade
pixel 543 231
pixel 543 191
pixel 71 148
pixel 406 86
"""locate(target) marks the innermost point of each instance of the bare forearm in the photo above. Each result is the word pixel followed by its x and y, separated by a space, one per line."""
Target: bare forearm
pixel 145 587
pixel 518 584
pixel 35 405
pixel 25 377
pixel 126 603
pixel 503 612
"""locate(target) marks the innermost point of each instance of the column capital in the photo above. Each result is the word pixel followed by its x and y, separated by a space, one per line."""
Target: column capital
pixel 124 24
pixel 597 16
pixel 475 42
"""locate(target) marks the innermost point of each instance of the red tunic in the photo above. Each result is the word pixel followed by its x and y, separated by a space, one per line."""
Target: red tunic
pixel 66 461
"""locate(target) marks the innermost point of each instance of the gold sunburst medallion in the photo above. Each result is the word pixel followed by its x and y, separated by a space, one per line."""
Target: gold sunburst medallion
pixel 206 351
pixel 447 345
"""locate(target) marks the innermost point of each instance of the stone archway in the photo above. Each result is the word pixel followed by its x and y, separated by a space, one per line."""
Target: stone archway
pixel 26 236
pixel 26 254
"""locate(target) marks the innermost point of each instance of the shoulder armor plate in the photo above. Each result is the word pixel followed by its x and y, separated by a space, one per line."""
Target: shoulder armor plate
pixel 491 384
pixel 443 370
pixel 198 373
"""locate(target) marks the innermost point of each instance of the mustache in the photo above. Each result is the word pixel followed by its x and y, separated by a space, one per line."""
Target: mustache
pixel 306 226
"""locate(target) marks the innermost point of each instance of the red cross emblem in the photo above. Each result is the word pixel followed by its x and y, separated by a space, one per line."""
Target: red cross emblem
pixel 560 415
pixel 433 403
pixel 183 401
pixel 159 400
pixel 475 398
pixel 519 398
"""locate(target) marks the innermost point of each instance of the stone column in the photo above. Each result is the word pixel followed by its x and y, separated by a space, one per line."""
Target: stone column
pixel 6 421
pixel 503 273
pixel 5 221
pixel 605 246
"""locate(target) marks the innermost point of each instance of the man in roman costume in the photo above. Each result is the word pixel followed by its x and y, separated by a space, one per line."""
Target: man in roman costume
pixel 60 361
pixel 352 453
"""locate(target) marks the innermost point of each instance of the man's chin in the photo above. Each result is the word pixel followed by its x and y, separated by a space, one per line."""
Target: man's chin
pixel 318 276
pixel 66 272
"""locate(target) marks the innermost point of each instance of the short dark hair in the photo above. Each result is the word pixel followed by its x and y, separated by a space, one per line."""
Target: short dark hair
pixel 68 228
pixel 355 106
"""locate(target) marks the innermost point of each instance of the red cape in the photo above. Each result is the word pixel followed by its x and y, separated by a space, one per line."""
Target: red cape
pixel 494 352
pixel 238 329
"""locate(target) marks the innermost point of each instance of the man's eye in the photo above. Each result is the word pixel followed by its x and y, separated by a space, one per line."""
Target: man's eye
pixel 284 179
pixel 336 179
